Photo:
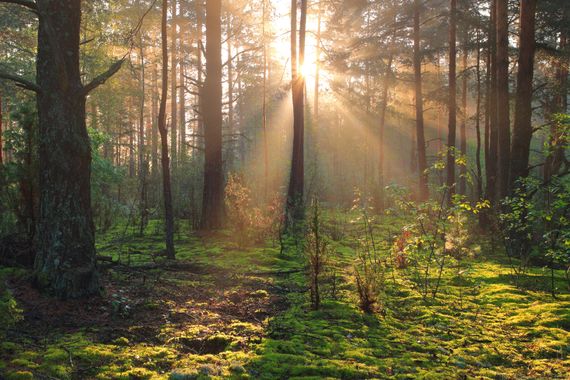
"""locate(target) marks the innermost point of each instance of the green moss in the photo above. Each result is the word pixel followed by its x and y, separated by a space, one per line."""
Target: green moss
pixel 20 375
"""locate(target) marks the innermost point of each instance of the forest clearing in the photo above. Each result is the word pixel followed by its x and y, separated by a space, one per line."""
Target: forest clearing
pixel 304 189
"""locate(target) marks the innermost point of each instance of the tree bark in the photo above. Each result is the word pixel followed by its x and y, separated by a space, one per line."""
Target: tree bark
pixel 522 131
pixel 166 185
pixel 65 262
pixel 452 104
pixel 423 191
pixel 182 88
pixel 213 197
pixel 295 209
pixel 503 121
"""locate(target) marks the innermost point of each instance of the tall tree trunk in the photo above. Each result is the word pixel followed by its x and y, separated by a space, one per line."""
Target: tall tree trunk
pixel 295 210
pixel 154 112
pixel 231 148
pixel 264 109
pixel 522 131
pixel 182 150
pixel 479 194
pixel 380 204
pixel 199 67
pixel 213 197
pixel 166 185
pixel 452 104
pixel 503 120
pixel 317 63
pixel 493 146
pixel 142 147
pixel 173 86
pixel 463 126
pixel 423 191
pixel 65 262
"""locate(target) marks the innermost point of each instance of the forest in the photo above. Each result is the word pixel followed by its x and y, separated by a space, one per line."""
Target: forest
pixel 271 189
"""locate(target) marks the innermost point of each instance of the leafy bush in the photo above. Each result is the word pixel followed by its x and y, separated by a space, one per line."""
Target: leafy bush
pixel 317 252
pixel 370 266
pixel 251 224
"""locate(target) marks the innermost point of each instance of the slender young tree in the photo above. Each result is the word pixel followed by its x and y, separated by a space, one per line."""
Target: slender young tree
pixel 143 169
pixel 1 131
pixel 423 191
pixel 463 126
pixel 452 103
pixel 492 155
pixel 213 197
pixel 522 131
pixel 173 87
pixel 165 160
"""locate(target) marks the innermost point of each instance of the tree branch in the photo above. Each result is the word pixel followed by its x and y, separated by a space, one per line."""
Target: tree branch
pixel 20 82
pixel 101 79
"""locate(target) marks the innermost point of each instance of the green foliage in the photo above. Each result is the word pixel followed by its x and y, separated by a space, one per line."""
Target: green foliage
pixel 535 225
pixel 103 176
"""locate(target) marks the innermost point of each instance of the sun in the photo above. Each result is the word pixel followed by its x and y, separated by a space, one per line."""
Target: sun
pixel 307 70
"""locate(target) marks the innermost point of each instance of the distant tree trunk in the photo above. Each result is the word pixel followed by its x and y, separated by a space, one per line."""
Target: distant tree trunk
pixel 492 157
pixel 173 86
pixel 423 191
pixel 380 204
pixel 199 67
pixel 166 185
pixel 317 63
pixel 522 131
pixel 182 150
pixel 503 123
pixel 463 126
pixel 452 104
pixel 132 153
pixel 264 110
pixel 154 112
pixel 231 149
pixel 213 197
pixel 295 211
pixel 65 261
pixel 142 147
pixel 478 121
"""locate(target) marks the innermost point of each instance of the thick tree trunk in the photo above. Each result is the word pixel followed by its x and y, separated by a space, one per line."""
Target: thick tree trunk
pixel 423 191
pixel 213 197
pixel 166 185
pixel 65 261
pixel 522 131
pixel 452 104
pixel 295 209
pixel 503 120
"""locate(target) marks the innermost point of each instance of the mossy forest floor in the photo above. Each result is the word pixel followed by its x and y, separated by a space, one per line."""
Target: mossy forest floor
pixel 224 312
